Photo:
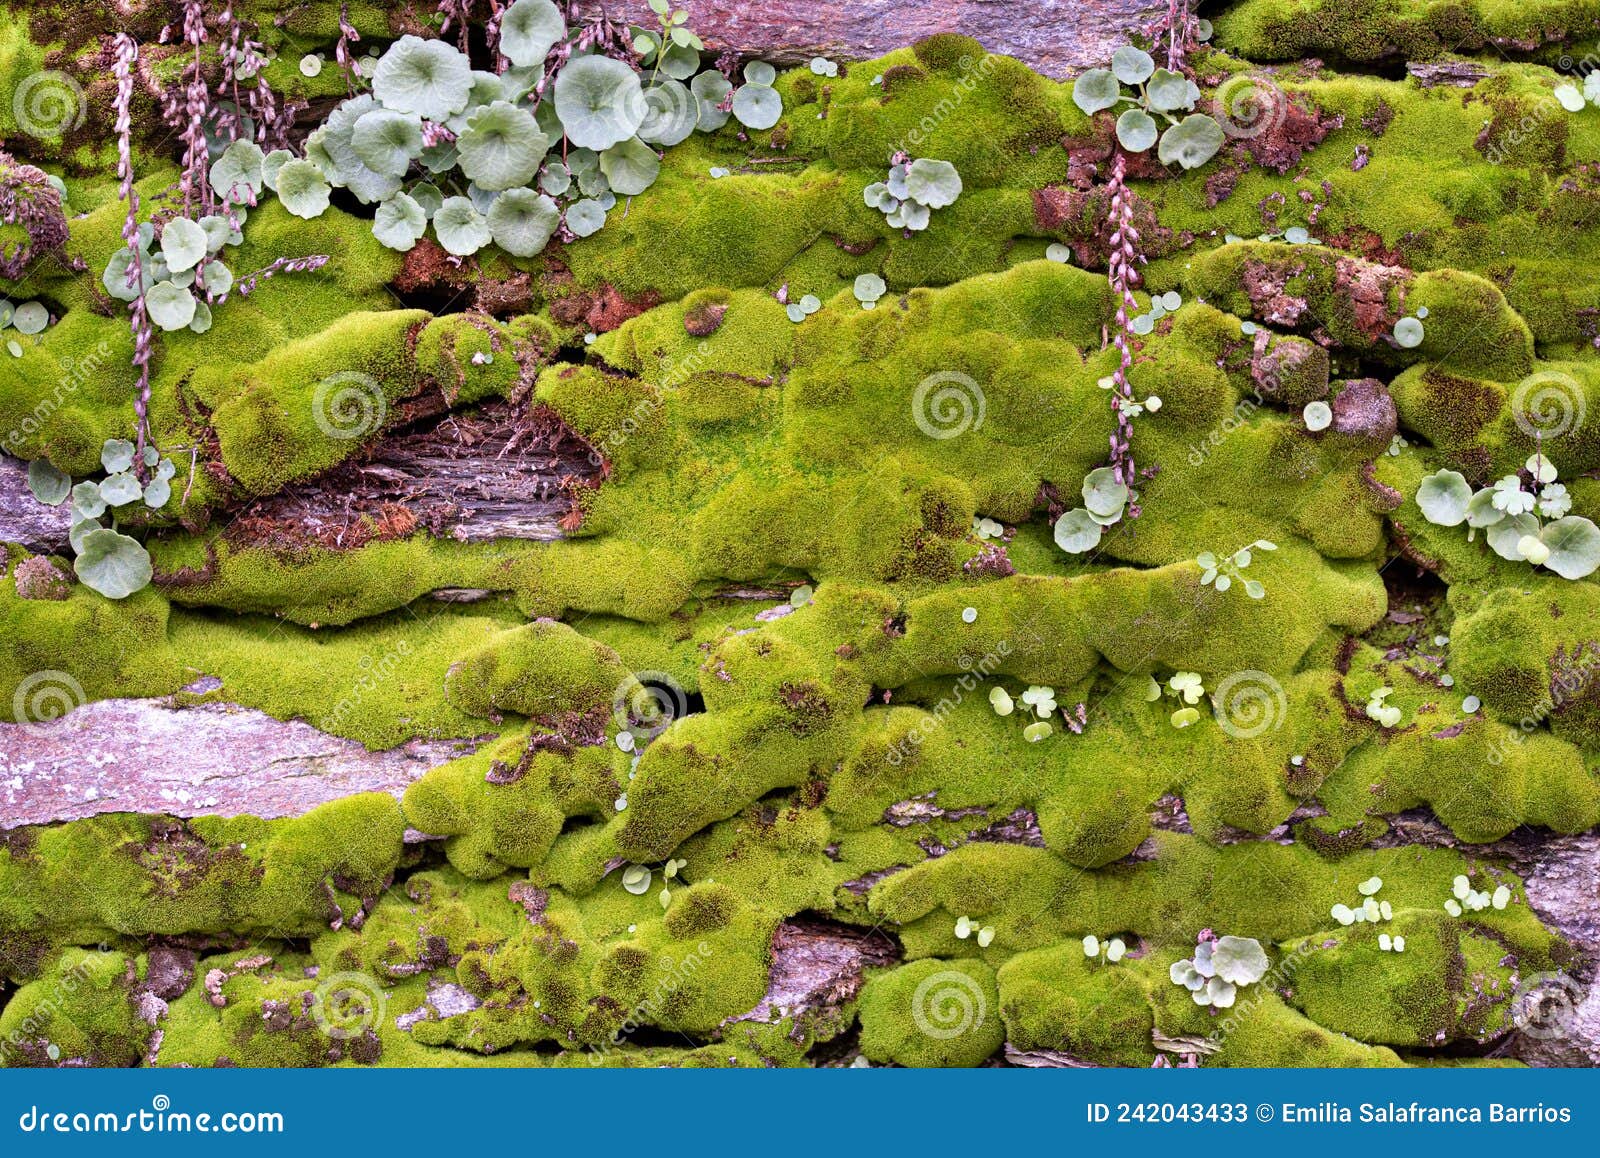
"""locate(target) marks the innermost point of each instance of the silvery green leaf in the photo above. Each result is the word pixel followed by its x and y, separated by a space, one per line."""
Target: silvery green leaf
pixel 48 484
pixel 112 564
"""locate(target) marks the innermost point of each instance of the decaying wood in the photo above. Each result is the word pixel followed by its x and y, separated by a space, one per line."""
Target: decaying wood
pixel 214 759
pixel 1455 73
pixel 498 473
pixel 1053 36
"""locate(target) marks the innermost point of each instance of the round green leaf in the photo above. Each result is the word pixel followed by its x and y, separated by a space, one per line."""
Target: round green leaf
pixel 1103 495
pixel 673 112
pixel 680 61
pixel 760 72
pixel 933 183
pixel 387 142
pixel 529 29
pixel 599 101
pixel 869 287
pixel 1095 90
pixel 630 166
pixel 1408 333
pixel 1167 90
pixel 1132 65
pixel 501 147
pixel 1505 535
pixel 112 564
pixel 237 176
pixel 86 501
pixel 556 179
pixel 30 318
pixel 430 78
pixel 157 493
pixel 1574 544
pixel 183 244
pixel 302 189
pixel 756 106
pixel 1076 532
pixel 1136 130
pixel 119 490
pixel 585 217
pixel 115 278
pixel 1443 497
pixel 400 222
pixel 274 161
pixel 710 88
pixel 1191 142
pixel 48 484
pixel 171 306
pixel 201 322
pixel 116 455
pixel 1239 960
pixel 460 228
pixel 522 221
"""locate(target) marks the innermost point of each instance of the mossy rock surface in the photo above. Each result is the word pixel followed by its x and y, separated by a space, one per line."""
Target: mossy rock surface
pixel 754 683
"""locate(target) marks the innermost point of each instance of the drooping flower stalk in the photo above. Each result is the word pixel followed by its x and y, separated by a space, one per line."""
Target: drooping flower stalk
pixel 1122 271
pixel 341 51
pixel 143 333
pixel 246 285
pixel 186 110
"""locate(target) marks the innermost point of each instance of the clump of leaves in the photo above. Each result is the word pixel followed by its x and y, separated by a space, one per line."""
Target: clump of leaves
pixel 1524 517
pixel 1220 967
pixel 27 319
pixel 1154 97
pixel 1187 688
pixel 913 190
pixel 966 927
pixel 108 561
pixel 1464 898
pixel 1384 713
pixel 1224 572
pixel 1369 909
pixel 1112 950
pixel 1038 708
pixel 548 142
pixel 1105 500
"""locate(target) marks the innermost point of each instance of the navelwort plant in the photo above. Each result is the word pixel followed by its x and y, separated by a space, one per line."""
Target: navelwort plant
pixel 1220 967
pixel 1522 520
pixel 1039 702
pixel 1223 573
pixel 1151 93
pixel 550 141
pixel 108 561
pixel 914 189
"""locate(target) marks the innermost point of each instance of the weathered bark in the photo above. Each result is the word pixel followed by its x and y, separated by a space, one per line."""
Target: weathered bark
pixel 215 759
pixel 1053 36
pixel 818 967
pixel 499 473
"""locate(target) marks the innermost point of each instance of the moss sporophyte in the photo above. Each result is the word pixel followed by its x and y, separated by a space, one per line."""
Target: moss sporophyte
pixel 722 510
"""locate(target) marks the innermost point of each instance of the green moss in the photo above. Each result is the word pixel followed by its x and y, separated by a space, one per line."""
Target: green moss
pixel 932 1013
